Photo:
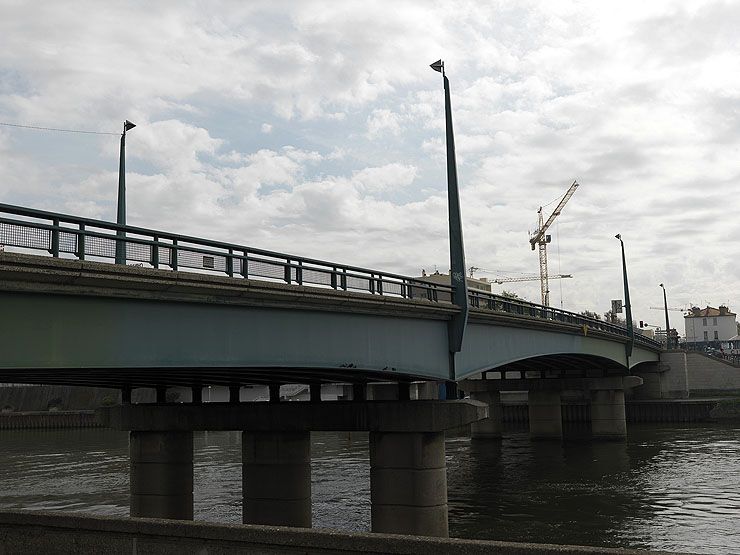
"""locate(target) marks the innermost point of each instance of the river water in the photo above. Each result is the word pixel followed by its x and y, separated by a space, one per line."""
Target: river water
pixel 675 487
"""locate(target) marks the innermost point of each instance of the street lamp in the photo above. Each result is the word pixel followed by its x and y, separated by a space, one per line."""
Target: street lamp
pixel 121 217
pixel 667 324
pixel 459 320
pixel 457 250
pixel 628 306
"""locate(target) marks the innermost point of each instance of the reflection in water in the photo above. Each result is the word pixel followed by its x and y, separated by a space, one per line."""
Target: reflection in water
pixel 673 488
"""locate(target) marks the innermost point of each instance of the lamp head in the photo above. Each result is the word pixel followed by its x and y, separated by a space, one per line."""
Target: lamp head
pixel 127 125
pixel 439 65
pixel 618 236
pixel 662 286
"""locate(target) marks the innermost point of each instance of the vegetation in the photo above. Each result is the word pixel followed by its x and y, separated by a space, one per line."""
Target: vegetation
pixel 509 294
pixel 589 314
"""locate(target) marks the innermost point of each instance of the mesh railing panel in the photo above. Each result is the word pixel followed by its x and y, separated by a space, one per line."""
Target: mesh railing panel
pixel 266 269
pixel 316 277
pixel 100 246
pixel 19 235
pixel 358 283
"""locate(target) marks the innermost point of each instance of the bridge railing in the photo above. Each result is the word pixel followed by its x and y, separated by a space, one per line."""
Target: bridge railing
pixel 65 236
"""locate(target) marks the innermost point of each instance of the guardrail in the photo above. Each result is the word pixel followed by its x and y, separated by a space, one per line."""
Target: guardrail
pixel 86 238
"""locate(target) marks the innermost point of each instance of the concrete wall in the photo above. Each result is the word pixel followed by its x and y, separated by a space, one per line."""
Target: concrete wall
pixel 710 376
pixel 21 398
pixel 30 533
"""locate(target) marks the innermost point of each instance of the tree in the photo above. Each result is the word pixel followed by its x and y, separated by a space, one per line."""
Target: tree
pixel 509 294
pixel 612 318
pixel 589 314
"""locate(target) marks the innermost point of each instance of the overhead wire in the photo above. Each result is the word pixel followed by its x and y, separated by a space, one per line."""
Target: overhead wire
pixel 59 130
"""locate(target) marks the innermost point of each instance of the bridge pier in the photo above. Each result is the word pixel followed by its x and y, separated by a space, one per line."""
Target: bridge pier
pixel 408 483
pixel 545 415
pixel 161 474
pixel 276 478
pixel 408 471
pixel 608 420
pixel 490 428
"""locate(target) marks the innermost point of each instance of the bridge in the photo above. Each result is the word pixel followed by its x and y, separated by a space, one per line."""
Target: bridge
pixel 192 312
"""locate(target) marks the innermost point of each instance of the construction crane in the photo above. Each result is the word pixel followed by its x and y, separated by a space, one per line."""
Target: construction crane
pixel 669 308
pixel 541 240
pixel 510 279
pixel 528 278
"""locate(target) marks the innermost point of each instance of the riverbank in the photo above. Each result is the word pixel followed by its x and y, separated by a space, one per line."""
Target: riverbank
pixel 29 533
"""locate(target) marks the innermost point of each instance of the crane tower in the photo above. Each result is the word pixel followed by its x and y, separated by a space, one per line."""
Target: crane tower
pixel 541 240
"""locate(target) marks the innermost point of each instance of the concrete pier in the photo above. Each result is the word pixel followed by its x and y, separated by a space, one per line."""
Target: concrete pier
pixel 408 483
pixel 490 428
pixel 545 416
pixel 276 478
pixel 407 458
pixel 608 420
pixel 161 474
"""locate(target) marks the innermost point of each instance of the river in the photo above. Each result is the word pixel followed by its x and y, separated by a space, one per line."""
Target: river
pixel 674 487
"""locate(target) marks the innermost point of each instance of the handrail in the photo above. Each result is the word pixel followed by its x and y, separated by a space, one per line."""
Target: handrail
pixel 161 248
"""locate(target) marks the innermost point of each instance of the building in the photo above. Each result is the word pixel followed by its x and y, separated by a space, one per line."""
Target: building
pixel 709 326
pixel 474 284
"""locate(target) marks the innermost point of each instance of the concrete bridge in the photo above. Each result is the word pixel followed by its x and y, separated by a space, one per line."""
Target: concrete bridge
pixel 194 312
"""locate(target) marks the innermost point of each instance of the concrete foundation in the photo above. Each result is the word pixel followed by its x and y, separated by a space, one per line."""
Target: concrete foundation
pixel 490 428
pixel 545 417
pixel 276 478
pixel 608 419
pixel 408 483
pixel 161 474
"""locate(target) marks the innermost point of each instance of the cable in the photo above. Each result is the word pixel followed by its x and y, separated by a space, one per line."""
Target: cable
pixel 557 233
pixel 57 129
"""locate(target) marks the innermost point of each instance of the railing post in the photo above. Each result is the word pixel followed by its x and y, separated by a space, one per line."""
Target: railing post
pixel 155 252
pixel 230 263
pixel 299 273
pixel 380 284
pixel 81 243
pixel 245 265
pixel 173 256
pixel 333 278
pixel 343 279
pixel 288 271
pixel 371 284
pixel 55 239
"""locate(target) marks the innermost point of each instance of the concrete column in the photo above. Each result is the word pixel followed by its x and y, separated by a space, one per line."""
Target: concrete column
pixel 489 428
pixel 545 418
pixel 408 483
pixel 161 474
pixel 276 478
pixel 607 414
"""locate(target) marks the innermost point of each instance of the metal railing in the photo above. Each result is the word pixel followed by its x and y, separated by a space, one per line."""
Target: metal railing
pixel 62 235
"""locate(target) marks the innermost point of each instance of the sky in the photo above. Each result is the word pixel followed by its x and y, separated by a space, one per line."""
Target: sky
pixel 316 128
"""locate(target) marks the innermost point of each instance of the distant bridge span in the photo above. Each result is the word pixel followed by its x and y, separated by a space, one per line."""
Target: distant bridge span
pixel 268 318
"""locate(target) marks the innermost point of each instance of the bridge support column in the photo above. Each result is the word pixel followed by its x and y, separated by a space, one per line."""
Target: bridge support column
pixel 490 428
pixel 408 483
pixel 545 417
pixel 161 474
pixel 276 478
pixel 608 419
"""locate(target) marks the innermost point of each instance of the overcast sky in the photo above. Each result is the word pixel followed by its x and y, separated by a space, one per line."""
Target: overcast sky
pixel 317 128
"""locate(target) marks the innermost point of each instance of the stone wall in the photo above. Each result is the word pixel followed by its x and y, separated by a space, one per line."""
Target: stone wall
pixel 709 376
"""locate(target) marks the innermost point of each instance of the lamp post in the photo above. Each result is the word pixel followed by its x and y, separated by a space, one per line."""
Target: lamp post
pixel 121 216
pixel 456 328
pixel 667 324
pixel 628 306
